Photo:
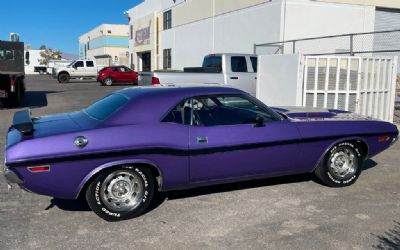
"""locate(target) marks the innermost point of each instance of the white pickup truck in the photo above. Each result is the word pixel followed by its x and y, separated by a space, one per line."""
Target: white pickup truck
pixel 236 70
pixel 79 69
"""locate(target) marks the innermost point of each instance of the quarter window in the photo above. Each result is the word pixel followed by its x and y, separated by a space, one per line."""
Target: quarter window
pixel 238 64
pixel 90 64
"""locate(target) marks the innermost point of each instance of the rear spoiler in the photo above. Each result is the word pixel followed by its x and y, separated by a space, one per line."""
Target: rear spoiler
pixel 22 121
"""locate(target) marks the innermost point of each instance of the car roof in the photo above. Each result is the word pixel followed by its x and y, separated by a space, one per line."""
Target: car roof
pixel 180 90
pixel 150 104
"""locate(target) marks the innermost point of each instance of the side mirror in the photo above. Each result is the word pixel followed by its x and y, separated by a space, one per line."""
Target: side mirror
pixel 259 122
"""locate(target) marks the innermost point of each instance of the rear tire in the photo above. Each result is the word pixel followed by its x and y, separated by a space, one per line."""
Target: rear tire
pixel 121 194
pixel 341 166
pixel 63 78
pixel 108 81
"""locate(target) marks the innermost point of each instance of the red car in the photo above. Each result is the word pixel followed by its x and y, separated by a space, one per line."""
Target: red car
pixel 117 74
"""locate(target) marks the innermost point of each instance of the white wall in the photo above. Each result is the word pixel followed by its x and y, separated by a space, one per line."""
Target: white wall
pixel 305 19
pixel 235 32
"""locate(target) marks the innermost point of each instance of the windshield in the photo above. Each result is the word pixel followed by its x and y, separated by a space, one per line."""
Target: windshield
pixel 69 65
pixel 106 106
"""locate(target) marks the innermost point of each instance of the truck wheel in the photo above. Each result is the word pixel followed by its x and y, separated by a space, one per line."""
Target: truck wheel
pixel 63 78
pixel 108 81
pixel 122 193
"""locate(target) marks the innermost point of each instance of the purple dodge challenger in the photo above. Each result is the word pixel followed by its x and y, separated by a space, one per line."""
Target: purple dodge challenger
pixel 120 150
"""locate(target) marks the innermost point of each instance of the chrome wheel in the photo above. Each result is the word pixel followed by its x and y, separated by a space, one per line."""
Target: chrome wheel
pixel 343 163
pixel 122 191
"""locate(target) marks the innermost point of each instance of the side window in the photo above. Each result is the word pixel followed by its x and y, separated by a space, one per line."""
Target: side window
pixel 181 114
pixel 114 69
pixel 89 64
pixel 254 61
pixel 238 64
pixel 228 110
pixel 79 64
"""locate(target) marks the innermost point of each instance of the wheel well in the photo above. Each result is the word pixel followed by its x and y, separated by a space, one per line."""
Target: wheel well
pixel 360 144
pixel 363 146
pixel 153 169
pixel 63 72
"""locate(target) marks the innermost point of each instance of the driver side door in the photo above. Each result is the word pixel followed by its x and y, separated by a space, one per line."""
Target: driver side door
pixel 226 144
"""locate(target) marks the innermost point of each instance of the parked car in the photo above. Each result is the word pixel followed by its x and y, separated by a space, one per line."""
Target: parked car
pixel 117 74
pixel 117 153
pixel 236 70
pixel 79 69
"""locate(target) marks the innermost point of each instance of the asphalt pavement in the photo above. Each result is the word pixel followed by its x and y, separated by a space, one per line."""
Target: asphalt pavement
pixel 280 213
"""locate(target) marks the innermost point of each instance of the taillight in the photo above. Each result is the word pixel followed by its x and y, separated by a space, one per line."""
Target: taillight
pixel 155 81
pixel 12 85
pixel 38 169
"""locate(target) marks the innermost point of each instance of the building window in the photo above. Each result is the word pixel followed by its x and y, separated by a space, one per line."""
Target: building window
pixel 167 59
pixel 131 31
pixel 167 19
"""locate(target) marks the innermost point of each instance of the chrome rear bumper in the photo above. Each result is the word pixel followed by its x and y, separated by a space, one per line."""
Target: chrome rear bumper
pixel 11 177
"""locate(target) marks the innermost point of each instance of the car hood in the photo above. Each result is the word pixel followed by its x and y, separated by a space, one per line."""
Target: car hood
pixel 312 114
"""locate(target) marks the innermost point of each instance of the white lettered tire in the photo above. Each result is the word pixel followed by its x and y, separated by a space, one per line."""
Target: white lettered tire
pixel 341 166
pixel 122 193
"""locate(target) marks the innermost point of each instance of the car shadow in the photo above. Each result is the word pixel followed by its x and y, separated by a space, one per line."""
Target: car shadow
pixel 36 99
pixel 160 198
pixel 368 164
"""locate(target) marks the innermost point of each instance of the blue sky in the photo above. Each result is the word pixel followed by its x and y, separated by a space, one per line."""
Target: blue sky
pixel 58 24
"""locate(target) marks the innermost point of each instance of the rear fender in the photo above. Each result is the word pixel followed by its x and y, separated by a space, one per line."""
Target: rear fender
pixel 337 142
pixel 118 163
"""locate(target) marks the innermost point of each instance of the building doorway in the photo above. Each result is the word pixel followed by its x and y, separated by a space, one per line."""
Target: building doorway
pixel 144 61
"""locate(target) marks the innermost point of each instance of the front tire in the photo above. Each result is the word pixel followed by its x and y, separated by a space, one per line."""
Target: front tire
pixel 63 78
pixel 341 166
pixel 121 194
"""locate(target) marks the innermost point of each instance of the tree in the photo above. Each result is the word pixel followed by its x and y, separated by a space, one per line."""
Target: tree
pixel 42 47
pixel 49 54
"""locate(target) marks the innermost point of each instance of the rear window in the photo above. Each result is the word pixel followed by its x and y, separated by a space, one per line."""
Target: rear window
pixel 106 106
pixel 213 62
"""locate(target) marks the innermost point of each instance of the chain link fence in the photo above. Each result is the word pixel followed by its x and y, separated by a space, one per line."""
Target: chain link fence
pixel 380 42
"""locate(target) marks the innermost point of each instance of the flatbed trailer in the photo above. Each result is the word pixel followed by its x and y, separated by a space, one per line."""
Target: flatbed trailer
pixel 12 73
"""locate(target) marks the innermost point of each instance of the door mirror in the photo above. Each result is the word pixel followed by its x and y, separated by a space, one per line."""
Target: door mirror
pixel 259 122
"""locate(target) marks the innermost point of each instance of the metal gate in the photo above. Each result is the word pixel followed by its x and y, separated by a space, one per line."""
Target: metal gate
pixel 364 85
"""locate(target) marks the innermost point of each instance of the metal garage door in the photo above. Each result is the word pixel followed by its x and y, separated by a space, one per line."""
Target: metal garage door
pixel 365 85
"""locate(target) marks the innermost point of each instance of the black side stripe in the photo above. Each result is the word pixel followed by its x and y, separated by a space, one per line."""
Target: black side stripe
pixel 182 152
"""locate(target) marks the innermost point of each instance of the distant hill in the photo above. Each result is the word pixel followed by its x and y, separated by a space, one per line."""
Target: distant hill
pixel 69 56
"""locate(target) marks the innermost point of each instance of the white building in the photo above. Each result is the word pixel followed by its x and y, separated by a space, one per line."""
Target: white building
pixel 107 44
pixel 167 34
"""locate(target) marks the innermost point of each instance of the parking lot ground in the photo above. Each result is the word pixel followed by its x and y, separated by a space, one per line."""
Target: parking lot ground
pixel 280 213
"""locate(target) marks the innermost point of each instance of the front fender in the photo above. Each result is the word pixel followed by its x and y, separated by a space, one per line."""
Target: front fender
pixel 108 165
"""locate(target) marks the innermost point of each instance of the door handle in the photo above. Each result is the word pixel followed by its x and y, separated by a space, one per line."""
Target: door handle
pixel 234 77
pixel 202 139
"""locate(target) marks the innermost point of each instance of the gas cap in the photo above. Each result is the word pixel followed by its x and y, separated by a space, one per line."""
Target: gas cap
pixel 81 142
